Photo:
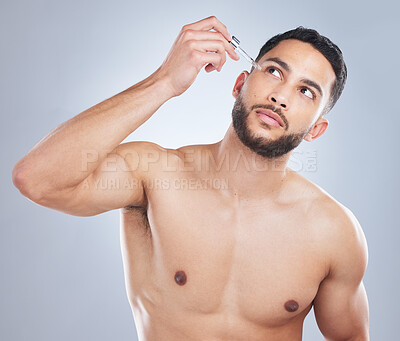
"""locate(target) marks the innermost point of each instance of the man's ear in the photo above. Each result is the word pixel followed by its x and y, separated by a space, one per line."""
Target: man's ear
pixel 239 83
pixel 317 129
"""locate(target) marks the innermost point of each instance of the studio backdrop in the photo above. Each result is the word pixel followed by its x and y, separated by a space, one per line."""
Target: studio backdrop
pixel 62 276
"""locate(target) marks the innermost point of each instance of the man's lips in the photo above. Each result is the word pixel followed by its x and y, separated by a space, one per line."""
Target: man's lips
pixel 272 118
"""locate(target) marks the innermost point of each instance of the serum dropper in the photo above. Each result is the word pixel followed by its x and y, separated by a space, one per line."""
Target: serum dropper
pixel 236 42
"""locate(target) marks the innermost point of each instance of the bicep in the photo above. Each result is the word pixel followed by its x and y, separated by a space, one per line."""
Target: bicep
pixel 112 185
pixel 341 311
pixel 117 182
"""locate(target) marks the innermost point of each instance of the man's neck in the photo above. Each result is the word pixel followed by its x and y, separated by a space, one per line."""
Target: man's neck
pixel 249 175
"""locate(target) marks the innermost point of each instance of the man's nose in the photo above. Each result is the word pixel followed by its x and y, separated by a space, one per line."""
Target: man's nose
pixel 279 99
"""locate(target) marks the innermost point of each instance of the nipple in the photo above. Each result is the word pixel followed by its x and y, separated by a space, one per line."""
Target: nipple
pixel 291 306
pixel 180 277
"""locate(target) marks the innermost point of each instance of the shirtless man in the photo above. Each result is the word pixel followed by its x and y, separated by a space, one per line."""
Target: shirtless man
pixel 220 241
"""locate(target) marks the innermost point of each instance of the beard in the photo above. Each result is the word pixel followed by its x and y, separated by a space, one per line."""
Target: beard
pixel 266 147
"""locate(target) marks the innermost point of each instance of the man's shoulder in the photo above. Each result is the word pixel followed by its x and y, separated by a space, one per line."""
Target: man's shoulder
pixel 143 148
pixel 327 212
pixel 314 199
pixel 148 156
pixel 153 160
pixel 342 233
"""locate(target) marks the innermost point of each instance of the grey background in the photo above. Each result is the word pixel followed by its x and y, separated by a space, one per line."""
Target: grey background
pixel 61 276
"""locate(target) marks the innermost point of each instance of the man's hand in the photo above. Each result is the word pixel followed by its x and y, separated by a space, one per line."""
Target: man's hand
pixel 196 46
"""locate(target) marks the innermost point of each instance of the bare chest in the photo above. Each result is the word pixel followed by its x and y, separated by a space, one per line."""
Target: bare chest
pixel 248 261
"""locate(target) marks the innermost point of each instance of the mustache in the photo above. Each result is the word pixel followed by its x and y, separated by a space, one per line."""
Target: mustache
pixel 271 107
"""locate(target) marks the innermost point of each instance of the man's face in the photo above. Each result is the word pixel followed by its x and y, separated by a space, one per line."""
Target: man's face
pixel 294 83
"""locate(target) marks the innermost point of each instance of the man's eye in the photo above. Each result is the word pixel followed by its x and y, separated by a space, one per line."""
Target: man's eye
pixel 274 72
pixel 307 92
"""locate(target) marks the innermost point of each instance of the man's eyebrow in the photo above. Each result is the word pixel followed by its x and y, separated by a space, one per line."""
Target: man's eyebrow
pixel 285 66
pixel 312 84
pixel 278 61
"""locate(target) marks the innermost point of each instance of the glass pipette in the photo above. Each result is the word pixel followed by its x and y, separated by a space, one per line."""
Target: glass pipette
pixel 236 42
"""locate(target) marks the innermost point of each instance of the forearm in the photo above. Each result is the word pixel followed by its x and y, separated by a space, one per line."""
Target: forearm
pixel 61 159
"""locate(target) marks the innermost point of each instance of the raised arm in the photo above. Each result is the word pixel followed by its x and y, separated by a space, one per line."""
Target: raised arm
pixel 341 304
pixel 62 170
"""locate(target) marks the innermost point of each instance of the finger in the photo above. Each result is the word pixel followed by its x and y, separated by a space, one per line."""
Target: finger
pixel 210 58
pixel 209 46
pixel 207 24
pixel 207 35
pixel 209 68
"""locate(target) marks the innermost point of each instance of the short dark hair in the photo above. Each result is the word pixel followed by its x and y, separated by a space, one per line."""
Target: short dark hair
pixel 330 51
